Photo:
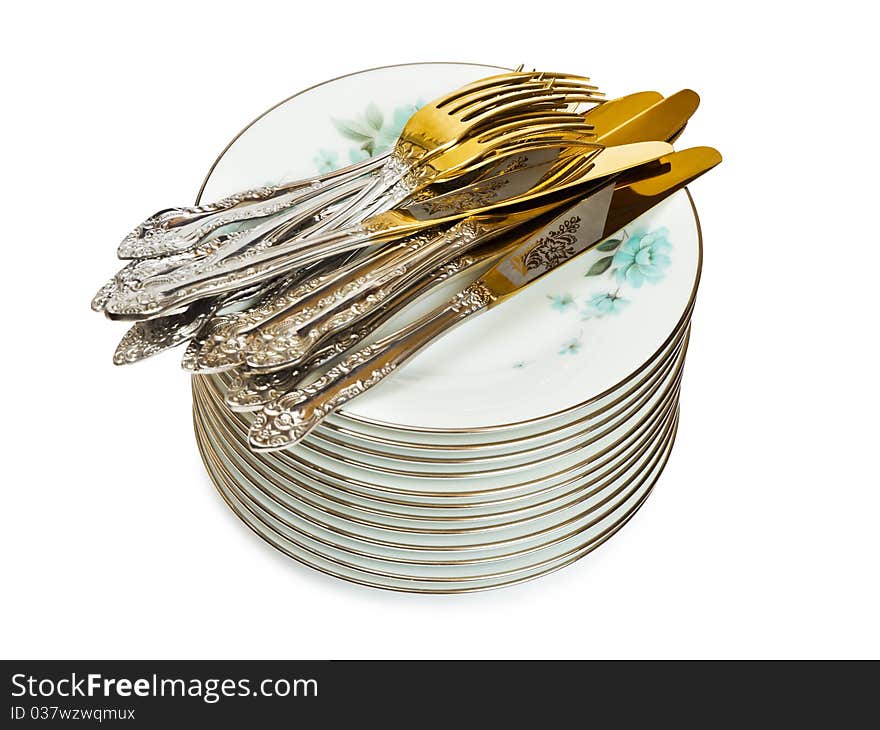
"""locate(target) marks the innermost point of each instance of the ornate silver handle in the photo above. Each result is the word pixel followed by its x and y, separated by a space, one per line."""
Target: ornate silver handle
pixel 250 267
pixel 288 419
pixel 250 390
pixel 175 229
pixel 282 256
pixel 239 246
pixel 152 336
pixel 148 338
pixel 290 340
pixel 149 273
pixel 224 348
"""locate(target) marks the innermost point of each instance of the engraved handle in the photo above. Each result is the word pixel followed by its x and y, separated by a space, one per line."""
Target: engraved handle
pixel 150 301
pixel 289 340
pixel 285 257
pixel 224 349
pixel 148 338
pixel 258 389
pixel 359 277
pixel 291 417
pixel 174 229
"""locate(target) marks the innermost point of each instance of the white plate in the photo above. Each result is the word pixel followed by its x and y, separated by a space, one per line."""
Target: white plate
pixel 452 483
pixel 543 451
pixel 320 498
pixel 407 445
pixel 482 545
pixel 584 538
pixel 559 343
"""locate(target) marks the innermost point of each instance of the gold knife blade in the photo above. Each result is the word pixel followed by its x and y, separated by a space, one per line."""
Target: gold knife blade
pixel 291 417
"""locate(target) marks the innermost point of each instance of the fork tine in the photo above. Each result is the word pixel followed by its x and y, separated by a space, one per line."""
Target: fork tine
pixel 557 99
pixel 514 144
pixel 468 101
pixel 569 169
pixel 539 122
pixel 489 82
pixel 497 84
pixel 535 143
pixel 529 102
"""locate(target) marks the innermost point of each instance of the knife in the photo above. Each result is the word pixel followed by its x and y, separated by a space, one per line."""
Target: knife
pixel 287 341
pixel 344 300
pixel 288 419
pixel 285 257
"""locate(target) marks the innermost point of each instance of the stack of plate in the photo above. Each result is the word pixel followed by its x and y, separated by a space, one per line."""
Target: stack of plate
pixel 510 448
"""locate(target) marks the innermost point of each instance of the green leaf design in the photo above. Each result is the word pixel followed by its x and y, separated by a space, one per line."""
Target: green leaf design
pixel 374 116
pixel 609 245
pixel 353 130
pixel 600 267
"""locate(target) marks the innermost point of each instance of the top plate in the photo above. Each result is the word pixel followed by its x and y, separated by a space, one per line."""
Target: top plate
pixel 575 333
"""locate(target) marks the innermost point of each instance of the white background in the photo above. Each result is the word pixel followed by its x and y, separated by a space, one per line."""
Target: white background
pixel 761 539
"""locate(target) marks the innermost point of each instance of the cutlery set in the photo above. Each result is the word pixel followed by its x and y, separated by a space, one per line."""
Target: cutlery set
pixel 452 365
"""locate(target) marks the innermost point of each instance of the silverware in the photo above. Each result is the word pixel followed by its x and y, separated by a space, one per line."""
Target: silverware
pixel 285 257
pixel 131 277
pixel 223 348
pixel 289 418
pixel 607 115
pixel 217 354
pixel 523 131
pixel 285 341
pixel 482 103
pixel 431 144
pixel 177 229
pixel 152 336
pixel 303 224
pixel 239 246
pixel 138 273
pixel 250 389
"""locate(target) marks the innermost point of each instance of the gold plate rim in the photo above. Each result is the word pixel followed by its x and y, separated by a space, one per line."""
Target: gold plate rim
pixel 219 384
pixel 299 460
pixel 592 428
pixel 623 449
pixel 633 460
pixel 412 586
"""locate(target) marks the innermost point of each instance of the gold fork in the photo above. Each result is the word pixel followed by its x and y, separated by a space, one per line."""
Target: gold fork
pixel 225 347
pixel 442 139
pixel 233 274
pixel 435 129
pixel 289 338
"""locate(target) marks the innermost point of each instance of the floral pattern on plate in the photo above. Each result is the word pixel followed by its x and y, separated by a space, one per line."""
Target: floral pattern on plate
pixel 373 132
pixel 632 260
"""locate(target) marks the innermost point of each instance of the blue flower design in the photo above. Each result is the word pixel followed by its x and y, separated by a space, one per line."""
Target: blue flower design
pixel 601 304
pixel 372 132
pixel 326 160
pixel 357 154
pixel 572 347
pixel 642 257
pixel 561 302
pixel 390 132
